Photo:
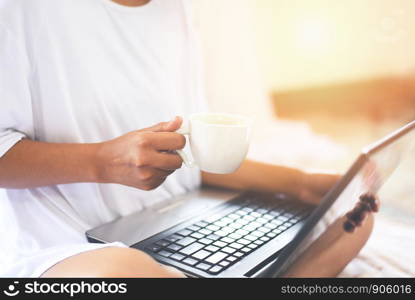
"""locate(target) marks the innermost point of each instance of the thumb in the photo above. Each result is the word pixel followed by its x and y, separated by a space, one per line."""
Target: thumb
pixel 170 126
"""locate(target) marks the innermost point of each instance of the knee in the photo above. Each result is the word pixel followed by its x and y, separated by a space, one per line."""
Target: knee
pixel 111 262
pixel 127 262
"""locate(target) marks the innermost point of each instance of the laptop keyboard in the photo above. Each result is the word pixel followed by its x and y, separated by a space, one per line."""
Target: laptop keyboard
pixel 216 242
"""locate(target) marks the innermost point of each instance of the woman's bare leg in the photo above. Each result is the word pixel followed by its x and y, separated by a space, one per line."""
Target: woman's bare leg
pixel 332 251
pixel 111 262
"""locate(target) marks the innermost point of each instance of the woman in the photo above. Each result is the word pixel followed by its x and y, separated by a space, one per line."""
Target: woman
pixel 82 83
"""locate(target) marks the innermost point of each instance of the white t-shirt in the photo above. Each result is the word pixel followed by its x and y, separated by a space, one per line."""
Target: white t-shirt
pixel 83 71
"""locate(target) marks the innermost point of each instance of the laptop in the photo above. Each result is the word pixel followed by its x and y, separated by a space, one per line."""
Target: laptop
pixel 220 233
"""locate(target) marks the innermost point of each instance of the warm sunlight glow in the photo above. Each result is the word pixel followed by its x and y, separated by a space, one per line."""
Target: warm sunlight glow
pixel 306 43
pixel 313 36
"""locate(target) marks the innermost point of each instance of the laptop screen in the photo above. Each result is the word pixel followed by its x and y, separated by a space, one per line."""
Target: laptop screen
pixel 368 174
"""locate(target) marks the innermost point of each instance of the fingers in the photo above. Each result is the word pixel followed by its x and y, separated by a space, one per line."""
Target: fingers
pixel 321 183
pixel 308 196
pixel 165 141
pixel 167 161
pixel 150 178
pixel 170 126
pixel 371 200
pixel 368 203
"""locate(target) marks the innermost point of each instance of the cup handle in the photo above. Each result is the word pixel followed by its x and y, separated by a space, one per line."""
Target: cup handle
pixel 184 129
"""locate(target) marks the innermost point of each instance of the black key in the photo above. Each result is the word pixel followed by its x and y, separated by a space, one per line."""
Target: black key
pixel 205 241
pixel 216 269
pixel 177 256
pixel 184 232
pixel 213 237
pixel 163 243
pixel 165 253
pixel 201 254
pixel 191 248
pixel 153 248
pixel 193 228
pixel 185 241
pixel 174 247
pixel 203 266
pixel 197 235
pixel 173 238
pixel 190 261
pixel 217 257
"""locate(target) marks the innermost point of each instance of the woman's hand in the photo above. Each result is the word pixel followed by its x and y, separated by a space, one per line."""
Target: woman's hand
pixel 313 186
pixel 142 158
pixel 368 204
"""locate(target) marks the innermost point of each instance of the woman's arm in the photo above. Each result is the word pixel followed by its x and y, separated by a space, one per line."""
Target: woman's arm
pixel 138 159
pixel 271 178
pixel 30 164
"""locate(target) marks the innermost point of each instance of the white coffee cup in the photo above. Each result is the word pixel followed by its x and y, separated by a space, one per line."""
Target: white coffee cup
pixel 219 142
